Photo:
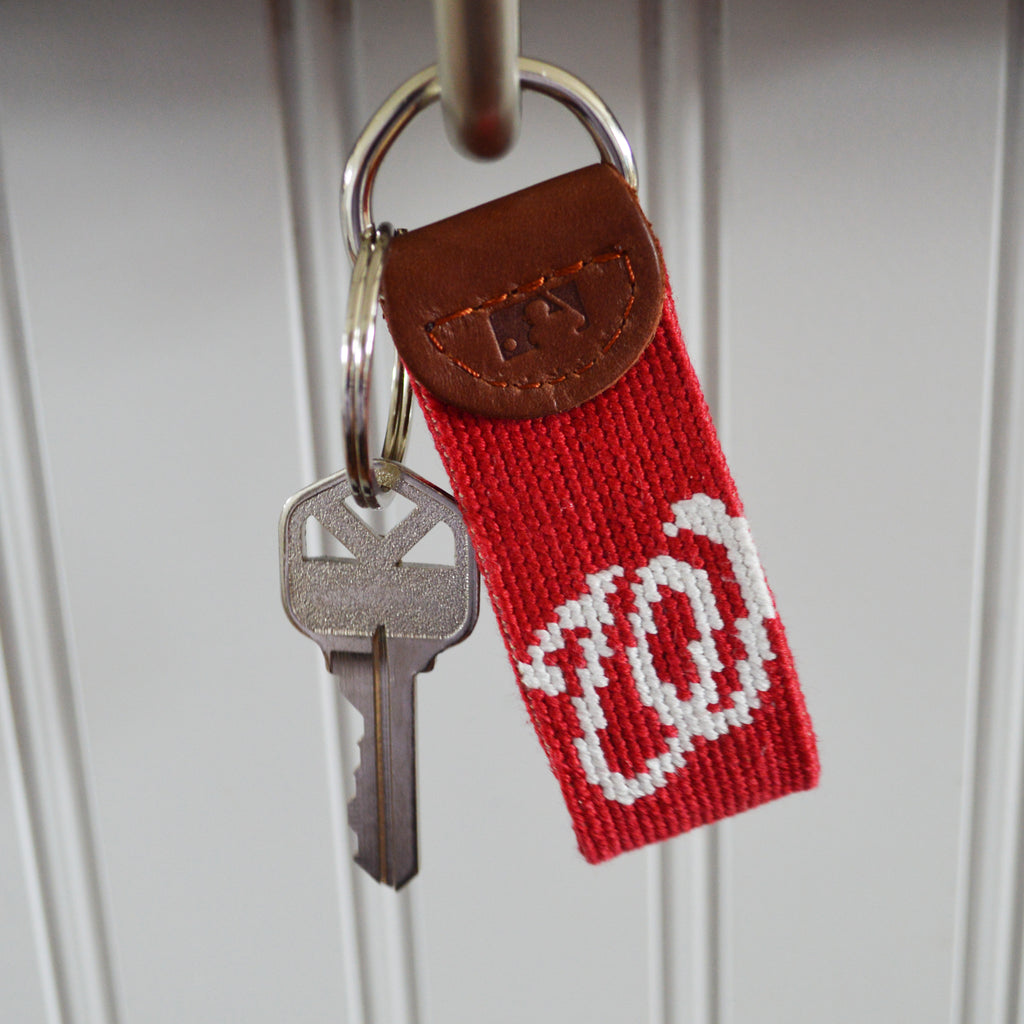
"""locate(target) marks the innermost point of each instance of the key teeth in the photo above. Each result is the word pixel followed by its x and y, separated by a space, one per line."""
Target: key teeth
pixel 366 787
pixel 394 875
pixel 368 865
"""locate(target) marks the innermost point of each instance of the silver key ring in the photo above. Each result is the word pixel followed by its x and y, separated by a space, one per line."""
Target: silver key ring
pixel 356 361
pixel 424 88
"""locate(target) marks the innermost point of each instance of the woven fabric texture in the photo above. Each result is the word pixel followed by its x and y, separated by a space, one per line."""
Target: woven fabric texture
pixel 633 607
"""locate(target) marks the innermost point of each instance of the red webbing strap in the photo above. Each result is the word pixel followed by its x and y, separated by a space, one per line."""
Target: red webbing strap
pixel 632 604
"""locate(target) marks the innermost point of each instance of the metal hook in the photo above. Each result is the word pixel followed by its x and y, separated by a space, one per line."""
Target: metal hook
pixel 478 47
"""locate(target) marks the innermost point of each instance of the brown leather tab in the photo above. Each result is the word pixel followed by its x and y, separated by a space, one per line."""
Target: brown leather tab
pixel 530 304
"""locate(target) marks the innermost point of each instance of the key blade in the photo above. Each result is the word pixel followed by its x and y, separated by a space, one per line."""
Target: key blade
pixel 383 811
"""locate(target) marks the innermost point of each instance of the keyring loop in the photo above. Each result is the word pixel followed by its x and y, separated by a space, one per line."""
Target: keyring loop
pixel 424 88
pixel 356 361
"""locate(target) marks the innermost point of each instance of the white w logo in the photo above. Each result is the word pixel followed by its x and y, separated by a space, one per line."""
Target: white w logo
pixel 586 616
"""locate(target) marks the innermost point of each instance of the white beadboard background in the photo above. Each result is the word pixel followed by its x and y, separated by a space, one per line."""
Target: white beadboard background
pixel 839 188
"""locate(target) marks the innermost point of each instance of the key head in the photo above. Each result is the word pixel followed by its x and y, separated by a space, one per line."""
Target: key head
pixel 340 602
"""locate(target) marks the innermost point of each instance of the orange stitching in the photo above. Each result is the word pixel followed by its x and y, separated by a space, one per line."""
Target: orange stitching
pixel 524 289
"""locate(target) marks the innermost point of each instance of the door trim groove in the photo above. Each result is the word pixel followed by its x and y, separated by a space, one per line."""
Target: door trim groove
pixel 990 893
pixel 40 710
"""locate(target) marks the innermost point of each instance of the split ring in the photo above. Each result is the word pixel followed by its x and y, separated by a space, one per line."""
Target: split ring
pixel 356 361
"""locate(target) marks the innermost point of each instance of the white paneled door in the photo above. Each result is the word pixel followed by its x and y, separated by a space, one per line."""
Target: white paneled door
pixel 839 190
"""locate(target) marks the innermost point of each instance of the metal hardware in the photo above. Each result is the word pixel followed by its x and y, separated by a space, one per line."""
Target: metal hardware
pixel 381 619
pixel 356 361
pixel 478 47
pixel 424 88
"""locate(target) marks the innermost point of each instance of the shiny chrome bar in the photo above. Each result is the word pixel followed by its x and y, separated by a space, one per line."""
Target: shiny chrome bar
pixel 478 47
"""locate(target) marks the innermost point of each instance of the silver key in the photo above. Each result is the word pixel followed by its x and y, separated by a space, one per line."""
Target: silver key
pixel 380 621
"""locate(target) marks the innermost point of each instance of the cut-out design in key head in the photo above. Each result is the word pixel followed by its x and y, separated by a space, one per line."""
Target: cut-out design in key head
pixel 339 602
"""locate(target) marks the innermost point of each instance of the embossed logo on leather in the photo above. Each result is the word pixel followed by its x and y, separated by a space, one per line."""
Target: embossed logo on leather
pixel 543 325
pixel 530 304
pixel 539 320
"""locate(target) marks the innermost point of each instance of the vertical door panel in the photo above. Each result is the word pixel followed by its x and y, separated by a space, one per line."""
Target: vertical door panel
pixel 22 996
pixel 859 170
pixel 145 178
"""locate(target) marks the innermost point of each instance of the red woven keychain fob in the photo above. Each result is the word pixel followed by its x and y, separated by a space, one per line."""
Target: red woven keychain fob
pixel 544 349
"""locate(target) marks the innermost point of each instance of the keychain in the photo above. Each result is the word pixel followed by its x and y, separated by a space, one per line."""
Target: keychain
pixel 544 350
